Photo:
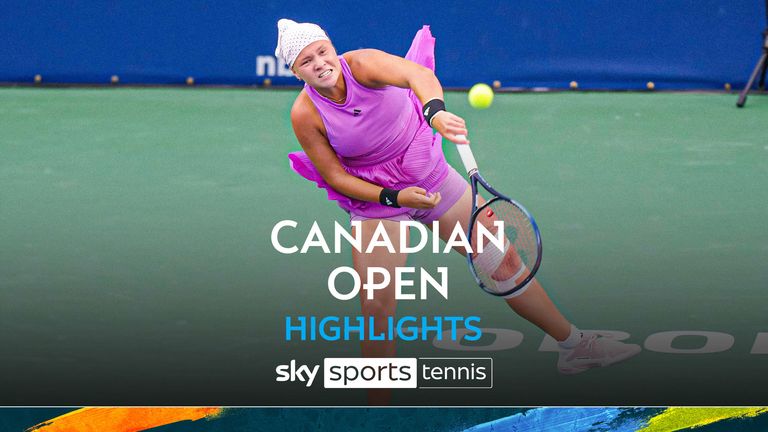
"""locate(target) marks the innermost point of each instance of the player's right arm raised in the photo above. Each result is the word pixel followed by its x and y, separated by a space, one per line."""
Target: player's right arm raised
pixel 375 69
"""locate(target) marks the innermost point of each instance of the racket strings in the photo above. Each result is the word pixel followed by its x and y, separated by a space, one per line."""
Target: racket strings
pixel 496 267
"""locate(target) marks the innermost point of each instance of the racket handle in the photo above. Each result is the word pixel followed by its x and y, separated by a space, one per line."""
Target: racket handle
pixel 466 156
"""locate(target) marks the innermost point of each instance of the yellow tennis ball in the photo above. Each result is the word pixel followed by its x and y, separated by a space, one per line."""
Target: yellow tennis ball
pixel 480 96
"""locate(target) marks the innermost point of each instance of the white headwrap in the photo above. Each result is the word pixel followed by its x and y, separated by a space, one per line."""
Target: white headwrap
pixel 292 37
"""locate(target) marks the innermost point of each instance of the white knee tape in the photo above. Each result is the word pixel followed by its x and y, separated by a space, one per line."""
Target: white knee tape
pixel 489 261
pixel 491 257
pixel 510 283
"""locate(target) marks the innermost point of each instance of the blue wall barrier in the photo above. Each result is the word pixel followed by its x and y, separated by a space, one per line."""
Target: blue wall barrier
pixel 599 43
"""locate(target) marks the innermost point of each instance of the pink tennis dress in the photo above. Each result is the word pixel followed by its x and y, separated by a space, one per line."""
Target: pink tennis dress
pixel 381 136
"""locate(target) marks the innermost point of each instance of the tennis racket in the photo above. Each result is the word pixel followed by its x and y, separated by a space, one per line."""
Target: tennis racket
pixel 500 272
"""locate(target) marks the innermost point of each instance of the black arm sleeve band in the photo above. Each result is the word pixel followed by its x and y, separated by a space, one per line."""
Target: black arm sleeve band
pixel 388 197
pixel 431 108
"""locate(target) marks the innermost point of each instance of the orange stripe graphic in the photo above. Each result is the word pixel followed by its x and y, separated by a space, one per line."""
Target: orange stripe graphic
pixel 122 419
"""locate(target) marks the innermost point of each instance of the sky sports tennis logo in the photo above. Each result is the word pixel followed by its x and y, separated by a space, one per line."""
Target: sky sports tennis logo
pixel 423 373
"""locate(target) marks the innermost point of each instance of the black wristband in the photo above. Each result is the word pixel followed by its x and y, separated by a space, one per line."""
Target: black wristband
pixel 388 197
pixel 432 107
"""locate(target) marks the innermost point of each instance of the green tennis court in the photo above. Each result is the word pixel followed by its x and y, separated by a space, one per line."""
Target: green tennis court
pixel 135 229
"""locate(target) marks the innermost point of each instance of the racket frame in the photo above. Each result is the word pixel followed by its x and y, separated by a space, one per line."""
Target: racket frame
pixel 474 179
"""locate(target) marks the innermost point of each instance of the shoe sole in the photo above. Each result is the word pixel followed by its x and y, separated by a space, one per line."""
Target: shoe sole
pixel 607 362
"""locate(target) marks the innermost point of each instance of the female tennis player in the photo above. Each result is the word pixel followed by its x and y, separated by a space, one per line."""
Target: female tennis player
pixel 364 120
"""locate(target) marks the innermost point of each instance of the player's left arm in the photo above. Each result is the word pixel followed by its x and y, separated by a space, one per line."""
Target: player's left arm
pixel 376 69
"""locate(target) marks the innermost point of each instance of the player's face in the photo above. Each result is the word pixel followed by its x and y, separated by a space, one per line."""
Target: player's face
pixel 318 65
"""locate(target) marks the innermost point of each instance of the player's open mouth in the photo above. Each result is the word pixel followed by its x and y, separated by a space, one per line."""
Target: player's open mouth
pixel 326 73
